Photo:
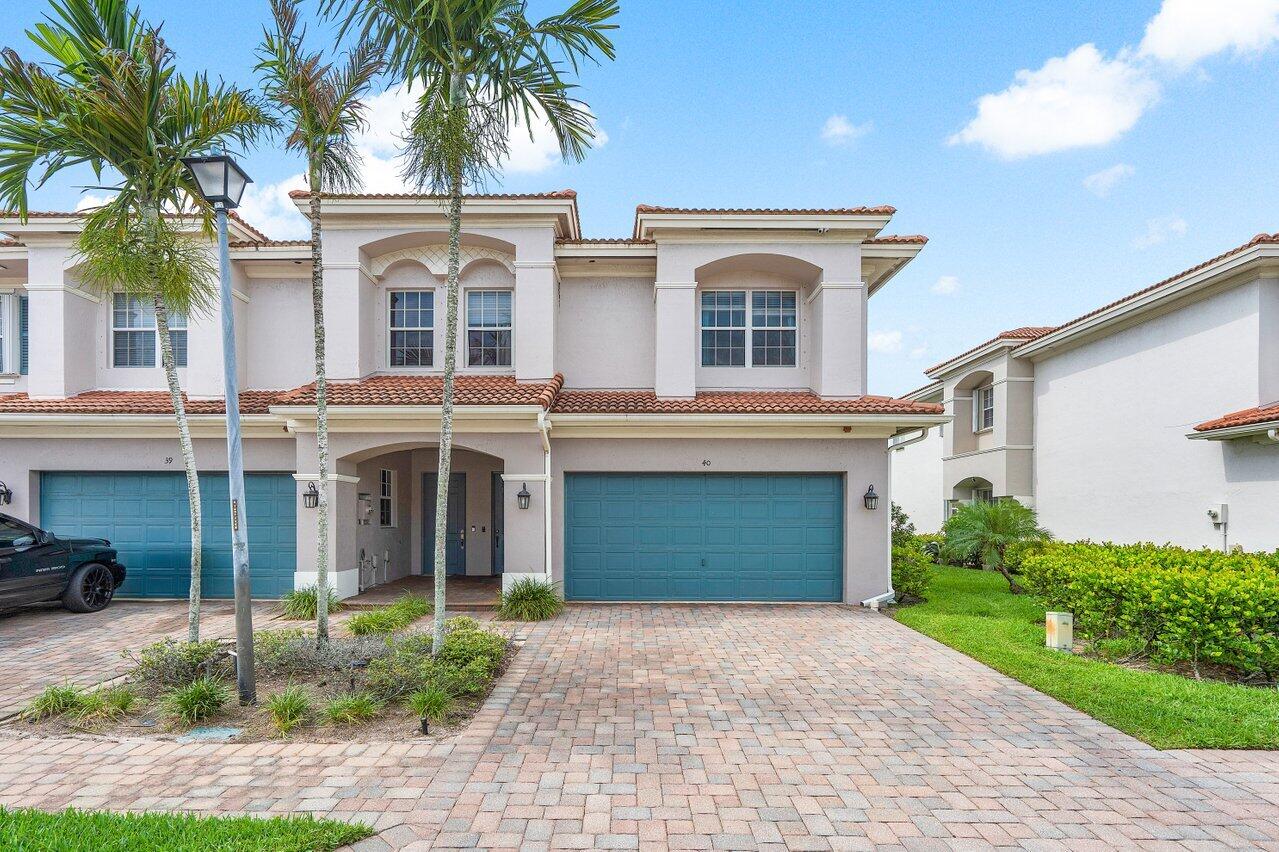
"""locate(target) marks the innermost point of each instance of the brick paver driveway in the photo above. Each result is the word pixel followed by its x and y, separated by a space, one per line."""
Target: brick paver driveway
pixel 45 645
pixel 807 727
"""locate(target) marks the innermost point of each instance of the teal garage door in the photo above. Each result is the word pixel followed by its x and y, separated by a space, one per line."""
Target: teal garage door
pixel 704 537
pixel 146 518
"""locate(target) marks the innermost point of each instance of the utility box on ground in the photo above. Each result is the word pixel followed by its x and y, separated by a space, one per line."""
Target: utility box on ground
pixel 1060 631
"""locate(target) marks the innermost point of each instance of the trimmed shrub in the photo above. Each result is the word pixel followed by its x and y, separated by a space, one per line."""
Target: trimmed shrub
pixel 294 651
pixel 197 701
pixel 1191 607
pixel 530 599
pixel 288 708
pixel 434 703
pixel 406 668
pixel 912 572
pixel 172 663
pixel 300 604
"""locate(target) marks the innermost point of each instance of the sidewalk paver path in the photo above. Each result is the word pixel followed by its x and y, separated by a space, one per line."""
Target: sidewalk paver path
pixel 738 727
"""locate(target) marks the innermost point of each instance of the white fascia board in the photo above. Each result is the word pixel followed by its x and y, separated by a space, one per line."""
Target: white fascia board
pixel 561 210
pixel 132 426
pixel 867 226
pixel 612 251
pixel 271 253
pixel 923 394
pixel 742 425
pixel 1148 301
pixel 1230 433
pixel 410 412
pixel 973 357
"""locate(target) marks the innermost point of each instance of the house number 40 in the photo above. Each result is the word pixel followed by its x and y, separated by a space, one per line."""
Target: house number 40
pixel 706 462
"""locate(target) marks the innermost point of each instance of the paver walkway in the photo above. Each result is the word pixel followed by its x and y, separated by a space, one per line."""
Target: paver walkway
pixel 808 727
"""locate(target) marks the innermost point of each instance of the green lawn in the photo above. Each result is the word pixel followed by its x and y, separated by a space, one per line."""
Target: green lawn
pixel 71 831
pixel 972 612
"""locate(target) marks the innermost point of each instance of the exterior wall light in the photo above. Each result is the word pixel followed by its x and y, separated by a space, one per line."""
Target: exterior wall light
pixel 523 496
pixel 870 499
pixel 311 497
pixel 6 495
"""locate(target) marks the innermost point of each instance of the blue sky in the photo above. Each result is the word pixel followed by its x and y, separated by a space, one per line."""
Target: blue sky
pixel 1058 155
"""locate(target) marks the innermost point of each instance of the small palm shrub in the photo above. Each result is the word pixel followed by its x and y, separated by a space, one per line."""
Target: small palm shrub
pixel 55 701
pixel 300 604
pixel 110 703
pixel 351 708
pixel 433 703
pixel 530 599
pixel 390 619
pixel 288 708
pixel 197 701
pixel 171 663
pixel 986 531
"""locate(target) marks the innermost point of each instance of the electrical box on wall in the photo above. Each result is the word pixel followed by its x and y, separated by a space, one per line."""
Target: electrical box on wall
pixel 1218 512
pixel 365 508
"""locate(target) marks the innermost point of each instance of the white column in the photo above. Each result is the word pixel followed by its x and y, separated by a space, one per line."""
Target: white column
pixel 347 318
pixel 535 309
pixel 839 311
pixel 61 340
pixel 675 346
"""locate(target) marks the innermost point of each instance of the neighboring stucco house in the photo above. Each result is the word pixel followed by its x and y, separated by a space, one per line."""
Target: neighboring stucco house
pixel 684 412
pixel 1129 423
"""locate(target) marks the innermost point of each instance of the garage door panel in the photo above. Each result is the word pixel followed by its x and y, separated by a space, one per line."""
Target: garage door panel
pixel 146 518
pixel 705 537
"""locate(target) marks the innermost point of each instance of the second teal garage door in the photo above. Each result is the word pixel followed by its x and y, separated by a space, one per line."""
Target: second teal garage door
pixel 145 516
pixel 704 537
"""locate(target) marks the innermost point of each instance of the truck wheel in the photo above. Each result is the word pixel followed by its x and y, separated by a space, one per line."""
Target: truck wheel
pixel 91 588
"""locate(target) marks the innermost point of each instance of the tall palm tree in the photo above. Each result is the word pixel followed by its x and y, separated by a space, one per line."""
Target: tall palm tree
pixel 985 531
pixel 108 95
pixel 481 67
pixel 323 108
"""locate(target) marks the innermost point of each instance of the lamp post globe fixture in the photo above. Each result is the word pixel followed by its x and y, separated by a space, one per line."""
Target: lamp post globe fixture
pixel 221 182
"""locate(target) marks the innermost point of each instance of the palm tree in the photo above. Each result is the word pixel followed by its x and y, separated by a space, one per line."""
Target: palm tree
pixel 109 96
pixel 480 67
pixel 323 108
pixel 986 530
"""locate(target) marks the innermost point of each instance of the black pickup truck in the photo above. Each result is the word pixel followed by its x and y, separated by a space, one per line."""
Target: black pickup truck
pixel 37 566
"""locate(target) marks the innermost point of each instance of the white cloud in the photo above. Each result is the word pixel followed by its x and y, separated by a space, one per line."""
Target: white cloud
pixel 269 208
pixel 919 351
pixel 838 131
pixel 947 285
pixel 884 341
pixel 1079 100
pixel 88 201
pixel 1184 32
pixel 1160 230
pixel 1101 183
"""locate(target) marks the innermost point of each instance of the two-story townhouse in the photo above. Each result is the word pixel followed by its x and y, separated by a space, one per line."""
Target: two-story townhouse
pixel 678 415
pixel 1129 423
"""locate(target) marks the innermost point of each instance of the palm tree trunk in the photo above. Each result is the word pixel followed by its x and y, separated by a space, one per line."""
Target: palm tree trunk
pixel 321 420
pixel 445 465
pixel 188 461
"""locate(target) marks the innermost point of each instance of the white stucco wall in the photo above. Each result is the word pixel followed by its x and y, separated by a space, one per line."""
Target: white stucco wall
pixel 1112 458
pixel 917 482
pixel 276 334
pixel 604 333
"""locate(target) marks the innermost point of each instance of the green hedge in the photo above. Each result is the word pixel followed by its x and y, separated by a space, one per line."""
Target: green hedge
pixel 1191 607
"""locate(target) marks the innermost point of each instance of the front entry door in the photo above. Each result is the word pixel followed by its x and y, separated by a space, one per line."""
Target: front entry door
pixel 499 523
pixel 455 533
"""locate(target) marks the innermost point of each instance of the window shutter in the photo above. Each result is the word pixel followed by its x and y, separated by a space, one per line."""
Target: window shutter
pixel 22 335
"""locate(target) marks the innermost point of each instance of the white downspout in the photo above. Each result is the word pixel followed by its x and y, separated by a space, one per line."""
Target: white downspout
pixel 1273 435
pixel 544 428
pixel 889 596
pixel 901 445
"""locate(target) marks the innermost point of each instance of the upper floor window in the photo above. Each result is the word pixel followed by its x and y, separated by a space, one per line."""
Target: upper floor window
pixel 984 408
pixel 134 342
pixel 488 328
pixel 13 333
pixel 412 334
pixel 770 334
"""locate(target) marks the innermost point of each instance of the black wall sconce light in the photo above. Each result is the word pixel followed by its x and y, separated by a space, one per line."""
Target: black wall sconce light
pixel 311 497
pixel 870 499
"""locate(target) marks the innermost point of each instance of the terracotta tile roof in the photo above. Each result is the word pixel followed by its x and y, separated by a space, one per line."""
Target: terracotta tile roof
pixel 896 239
pixel 604 241
pixel 267 243
pixel 1260 239
pixel 732 402
pixel 560 193
pixel 129 402
pixel 881 210
pixel 62 214
pixel 8 243
pixel 1026 333
pixel 1247 417
pixel 429 390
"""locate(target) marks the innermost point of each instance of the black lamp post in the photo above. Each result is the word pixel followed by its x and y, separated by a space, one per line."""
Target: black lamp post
pixel 522 498
pixel 222 183
pixel 870 499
